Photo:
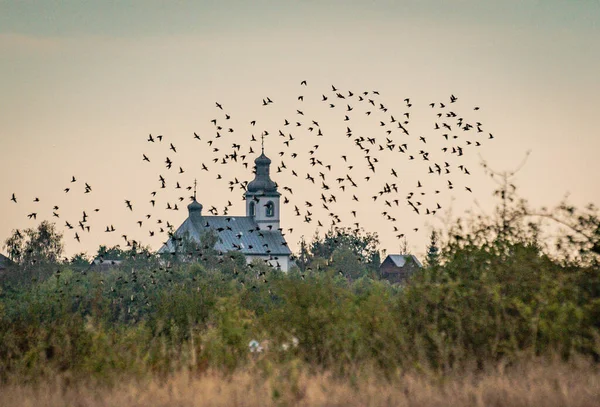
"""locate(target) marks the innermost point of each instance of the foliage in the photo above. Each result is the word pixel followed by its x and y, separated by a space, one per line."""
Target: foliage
pixel 32 247
pixel 303 258
pixel 433 250
pixel 363 246
pixel 80 261
pixel 185 249
pixel 497 292
pixel 110 253
pixel 36 252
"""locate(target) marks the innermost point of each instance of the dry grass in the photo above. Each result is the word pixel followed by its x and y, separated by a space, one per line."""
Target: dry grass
pixel 532 384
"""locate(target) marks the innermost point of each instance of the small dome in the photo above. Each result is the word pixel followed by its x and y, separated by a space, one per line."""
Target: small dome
pixel 195 207
pixel 262 160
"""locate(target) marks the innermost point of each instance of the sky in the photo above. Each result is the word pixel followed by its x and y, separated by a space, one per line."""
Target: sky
pixel 83 84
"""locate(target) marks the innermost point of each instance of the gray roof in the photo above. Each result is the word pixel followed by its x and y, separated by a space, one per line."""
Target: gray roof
pixel 4 261
pixel 400 259
pixel 236 233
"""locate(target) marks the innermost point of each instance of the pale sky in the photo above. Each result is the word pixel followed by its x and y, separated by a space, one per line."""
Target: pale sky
pixel 83 83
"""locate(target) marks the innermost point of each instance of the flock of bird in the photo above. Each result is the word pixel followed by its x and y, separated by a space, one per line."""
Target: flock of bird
pixel 325 176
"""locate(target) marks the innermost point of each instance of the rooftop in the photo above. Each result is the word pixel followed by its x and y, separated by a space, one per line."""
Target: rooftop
pixel 400 259
pixel 235 233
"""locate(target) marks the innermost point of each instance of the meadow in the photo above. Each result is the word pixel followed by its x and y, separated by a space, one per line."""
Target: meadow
pixel 497 317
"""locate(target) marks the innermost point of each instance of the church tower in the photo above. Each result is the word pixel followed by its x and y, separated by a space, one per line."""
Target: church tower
pixel 262 197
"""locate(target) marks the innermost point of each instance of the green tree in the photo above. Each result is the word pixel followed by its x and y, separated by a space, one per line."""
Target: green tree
pixel 186 249
pixel 363 245
pixel 348 264
pixel 80 261
pixel 35 246
pixel 36 251
pixel 303 257
pixel 110 253
pixel 433 250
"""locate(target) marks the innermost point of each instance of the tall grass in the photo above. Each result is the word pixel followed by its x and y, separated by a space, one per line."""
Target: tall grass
pixel 534 383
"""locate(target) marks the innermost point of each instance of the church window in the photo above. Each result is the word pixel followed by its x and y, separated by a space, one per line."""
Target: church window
pixel 270 209
pixel 252 209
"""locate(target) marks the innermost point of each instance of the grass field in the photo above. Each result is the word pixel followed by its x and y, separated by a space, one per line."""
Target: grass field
pixel 535 383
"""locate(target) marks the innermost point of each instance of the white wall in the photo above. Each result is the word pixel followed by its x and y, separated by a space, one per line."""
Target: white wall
pixel 261 219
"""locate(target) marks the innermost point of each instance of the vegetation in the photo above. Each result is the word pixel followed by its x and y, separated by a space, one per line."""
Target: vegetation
pixel 35 250
pixel 548 384
pixel 494 293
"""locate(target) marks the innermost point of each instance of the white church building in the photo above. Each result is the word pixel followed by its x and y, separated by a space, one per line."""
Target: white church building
pixel 257 235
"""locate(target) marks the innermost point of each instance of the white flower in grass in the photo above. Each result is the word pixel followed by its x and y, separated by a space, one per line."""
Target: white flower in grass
pixel 255 346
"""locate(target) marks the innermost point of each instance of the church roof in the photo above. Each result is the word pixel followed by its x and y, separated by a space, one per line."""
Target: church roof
pixel 236 233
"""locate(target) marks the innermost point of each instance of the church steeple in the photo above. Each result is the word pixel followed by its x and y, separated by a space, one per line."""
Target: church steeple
pixel 262 197
pixel 262 180
pixel 195 208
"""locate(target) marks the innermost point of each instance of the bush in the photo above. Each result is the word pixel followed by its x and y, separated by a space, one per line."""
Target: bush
pixel 493 293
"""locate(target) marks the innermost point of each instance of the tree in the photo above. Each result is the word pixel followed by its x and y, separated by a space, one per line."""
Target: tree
pixel 433 250
pixel 35 250
pixel 31 247
pixel 110 253
pixel 580 239
pixel 566 232
pixel 363 245
pixel 304 256
pixel 345 261
pixel 15 246
pixel 187 249
pixel 135 257
pixel 404 246
pixel 80 261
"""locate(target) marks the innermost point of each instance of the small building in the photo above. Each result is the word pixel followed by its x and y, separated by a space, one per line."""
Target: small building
pixel 396 268
pixel 257 235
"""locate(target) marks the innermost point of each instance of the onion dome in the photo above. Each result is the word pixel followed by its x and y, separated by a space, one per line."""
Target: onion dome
pixel 195 208
pixel 262 181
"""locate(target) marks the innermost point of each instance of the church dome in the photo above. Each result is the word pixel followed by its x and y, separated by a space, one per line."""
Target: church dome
pixel 195 207
pixel 262 160
pixel 262 181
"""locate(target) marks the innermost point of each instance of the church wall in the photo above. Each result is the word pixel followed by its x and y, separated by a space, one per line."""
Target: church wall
pixel 260 211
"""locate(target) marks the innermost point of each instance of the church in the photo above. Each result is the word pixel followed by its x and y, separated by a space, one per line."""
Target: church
pixel 256 235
